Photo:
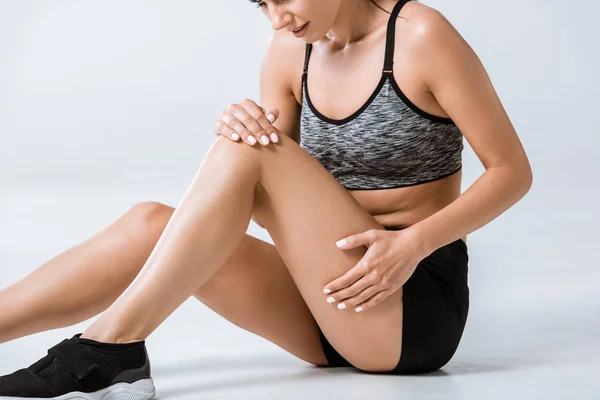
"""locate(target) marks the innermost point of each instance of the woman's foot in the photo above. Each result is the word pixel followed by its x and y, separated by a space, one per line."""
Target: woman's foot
pixel 80 368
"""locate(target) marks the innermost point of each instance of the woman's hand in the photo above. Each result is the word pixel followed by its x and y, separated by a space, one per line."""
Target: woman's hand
pixel 390 260
pixel 249 121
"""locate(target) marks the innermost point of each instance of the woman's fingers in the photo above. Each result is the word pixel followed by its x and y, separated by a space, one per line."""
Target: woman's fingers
pixel 221 128
pixel 272 115
pixel 253 120
pixel 248 121
pixel 263 118
pixel 234 123
pixel 274 112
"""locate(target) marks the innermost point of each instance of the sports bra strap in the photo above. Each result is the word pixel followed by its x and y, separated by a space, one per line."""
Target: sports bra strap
pixel 391 36
pixel 307 55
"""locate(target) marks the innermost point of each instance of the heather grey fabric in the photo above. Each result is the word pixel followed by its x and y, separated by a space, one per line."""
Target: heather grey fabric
pixel 389 142
pixel 387 145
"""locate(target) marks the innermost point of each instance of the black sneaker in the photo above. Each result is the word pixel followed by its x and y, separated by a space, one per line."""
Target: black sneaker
pixel 84 369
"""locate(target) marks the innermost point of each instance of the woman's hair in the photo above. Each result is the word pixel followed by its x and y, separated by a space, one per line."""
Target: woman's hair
pixel 259 2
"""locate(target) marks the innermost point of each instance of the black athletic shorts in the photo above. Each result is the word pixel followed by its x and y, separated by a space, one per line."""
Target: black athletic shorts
pixel 435 307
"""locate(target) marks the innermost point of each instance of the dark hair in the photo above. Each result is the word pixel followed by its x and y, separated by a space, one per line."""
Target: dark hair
pixel 259 3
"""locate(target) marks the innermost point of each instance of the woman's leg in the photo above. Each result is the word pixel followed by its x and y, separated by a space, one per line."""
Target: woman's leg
pixel 106 262
pixel 263 300
pixel 255 291
pixel 305 211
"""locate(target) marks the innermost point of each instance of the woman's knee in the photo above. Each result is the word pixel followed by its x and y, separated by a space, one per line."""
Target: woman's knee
pixel 148 215
pixel 229 155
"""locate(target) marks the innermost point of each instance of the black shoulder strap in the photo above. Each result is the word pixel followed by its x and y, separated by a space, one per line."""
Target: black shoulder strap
pixel 307 55
pixel 390 37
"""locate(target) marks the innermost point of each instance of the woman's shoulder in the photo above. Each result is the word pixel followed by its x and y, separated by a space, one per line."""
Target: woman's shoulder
pixel 418 11
pixel 422 30
pixel 420 22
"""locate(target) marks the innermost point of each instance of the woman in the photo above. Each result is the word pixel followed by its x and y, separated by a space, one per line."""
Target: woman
pixel 367 150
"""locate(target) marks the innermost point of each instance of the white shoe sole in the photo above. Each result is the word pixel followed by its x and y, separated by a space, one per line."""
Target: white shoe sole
pixel 138 390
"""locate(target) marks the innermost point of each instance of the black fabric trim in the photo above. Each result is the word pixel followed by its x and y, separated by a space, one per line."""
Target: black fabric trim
pixel 307 52
pixel 348 118
pixel 389 62
pixel 334 359
pixel 412 106
pixel 406 185
pixel 391 35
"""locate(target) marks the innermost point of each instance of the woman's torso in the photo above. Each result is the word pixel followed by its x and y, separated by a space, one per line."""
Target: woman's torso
pixel 341 83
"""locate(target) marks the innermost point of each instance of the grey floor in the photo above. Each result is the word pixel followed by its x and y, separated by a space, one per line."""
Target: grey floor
pixel 532 330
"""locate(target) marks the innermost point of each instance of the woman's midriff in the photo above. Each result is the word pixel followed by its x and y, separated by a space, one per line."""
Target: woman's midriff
pixel 405 206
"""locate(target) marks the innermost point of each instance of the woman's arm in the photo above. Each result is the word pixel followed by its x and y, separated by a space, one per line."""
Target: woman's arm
pixel 462 87
pixel 278 74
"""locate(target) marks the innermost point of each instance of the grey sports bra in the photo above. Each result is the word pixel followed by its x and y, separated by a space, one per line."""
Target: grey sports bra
pixel 387 143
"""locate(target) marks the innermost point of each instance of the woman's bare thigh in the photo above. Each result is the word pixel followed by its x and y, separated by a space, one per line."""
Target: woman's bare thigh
pixel 254 291
pixel 306 210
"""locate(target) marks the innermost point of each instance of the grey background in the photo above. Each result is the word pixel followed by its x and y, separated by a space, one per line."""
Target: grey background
pixel 106 104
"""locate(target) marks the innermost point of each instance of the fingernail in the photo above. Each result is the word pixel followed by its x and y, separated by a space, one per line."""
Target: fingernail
pixel 326 291
pixel 235 136
pixel 274 137
pixel 330 299
pixel 264 140
pixel 341 243
pixel 271 118
pixel 251 139
pixel 341 306
pixel 359 309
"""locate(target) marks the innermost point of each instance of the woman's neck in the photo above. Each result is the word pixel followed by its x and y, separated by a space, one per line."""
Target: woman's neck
pixel 355 21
